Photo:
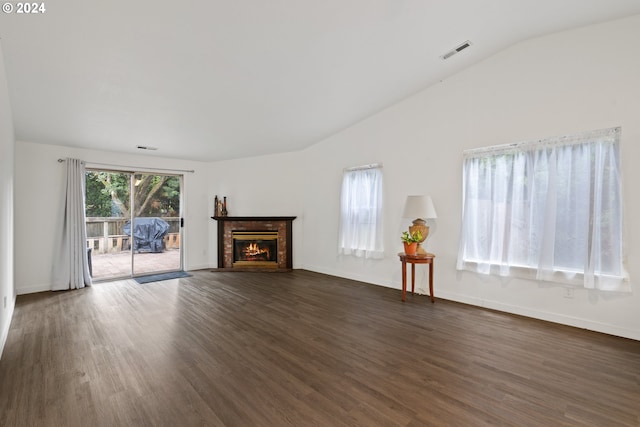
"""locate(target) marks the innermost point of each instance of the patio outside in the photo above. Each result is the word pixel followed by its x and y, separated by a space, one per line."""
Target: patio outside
pixel 111 250
pixel 116 265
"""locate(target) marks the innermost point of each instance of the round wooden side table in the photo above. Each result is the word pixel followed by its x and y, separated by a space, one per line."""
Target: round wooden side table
pixel 413 260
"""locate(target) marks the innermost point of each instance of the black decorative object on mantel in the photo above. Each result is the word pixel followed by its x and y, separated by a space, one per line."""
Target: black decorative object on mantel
pixel 220 207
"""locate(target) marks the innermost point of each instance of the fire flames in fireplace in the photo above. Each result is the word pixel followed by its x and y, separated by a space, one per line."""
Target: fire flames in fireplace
pixel 255 249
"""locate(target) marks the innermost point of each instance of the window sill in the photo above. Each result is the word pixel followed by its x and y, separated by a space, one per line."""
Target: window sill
pixel 567 277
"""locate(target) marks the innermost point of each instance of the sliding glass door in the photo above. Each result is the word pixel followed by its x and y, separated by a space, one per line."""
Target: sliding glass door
pixel 156 242
pixel 133 223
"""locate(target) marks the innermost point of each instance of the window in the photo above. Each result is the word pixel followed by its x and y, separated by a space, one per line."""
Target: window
pixel 361 212
pixel 552 207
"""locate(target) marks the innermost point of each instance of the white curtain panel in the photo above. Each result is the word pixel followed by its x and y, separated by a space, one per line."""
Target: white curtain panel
pixel 71 269
pixel 360 231
pixel 548 209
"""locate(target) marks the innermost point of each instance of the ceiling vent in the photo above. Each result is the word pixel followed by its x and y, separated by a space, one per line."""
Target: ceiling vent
pixel 460 48
pixel 146 147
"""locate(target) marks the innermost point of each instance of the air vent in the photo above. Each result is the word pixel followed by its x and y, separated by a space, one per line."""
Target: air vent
pixel 146 147
pixel 460 48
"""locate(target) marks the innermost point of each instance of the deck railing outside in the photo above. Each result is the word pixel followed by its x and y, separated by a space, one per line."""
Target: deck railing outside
pixel 104 234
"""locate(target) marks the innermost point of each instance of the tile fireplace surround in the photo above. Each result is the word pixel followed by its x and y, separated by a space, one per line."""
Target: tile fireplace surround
pixel 228 224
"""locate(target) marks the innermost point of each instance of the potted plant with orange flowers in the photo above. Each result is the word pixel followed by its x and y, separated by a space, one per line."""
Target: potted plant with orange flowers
pixel 410 241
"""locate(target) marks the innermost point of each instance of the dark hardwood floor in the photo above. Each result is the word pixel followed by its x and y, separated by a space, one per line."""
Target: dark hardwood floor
pixel 301 349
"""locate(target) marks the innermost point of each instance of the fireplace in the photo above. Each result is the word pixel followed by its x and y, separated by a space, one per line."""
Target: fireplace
pixel 255 249
pixel 255 243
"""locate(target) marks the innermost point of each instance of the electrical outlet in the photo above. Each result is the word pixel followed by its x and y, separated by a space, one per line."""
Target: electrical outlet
pixel 568 293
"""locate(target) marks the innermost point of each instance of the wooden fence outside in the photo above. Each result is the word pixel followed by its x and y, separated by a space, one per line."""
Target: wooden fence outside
pixel 104 234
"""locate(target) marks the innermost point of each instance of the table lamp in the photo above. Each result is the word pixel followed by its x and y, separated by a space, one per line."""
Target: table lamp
pixel 421 208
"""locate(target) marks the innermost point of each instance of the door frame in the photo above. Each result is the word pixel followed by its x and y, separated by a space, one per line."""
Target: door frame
pixel 180 216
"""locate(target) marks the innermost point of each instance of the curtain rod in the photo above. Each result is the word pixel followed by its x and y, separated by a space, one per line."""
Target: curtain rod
pixel 136 168
pixel 550 141
pixel 357 168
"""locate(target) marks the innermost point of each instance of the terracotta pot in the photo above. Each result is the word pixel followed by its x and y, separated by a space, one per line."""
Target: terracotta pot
pixel 410 248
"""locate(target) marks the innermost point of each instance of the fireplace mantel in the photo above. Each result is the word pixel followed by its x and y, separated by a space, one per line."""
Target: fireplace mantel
pixel 253 218
pixel 283 224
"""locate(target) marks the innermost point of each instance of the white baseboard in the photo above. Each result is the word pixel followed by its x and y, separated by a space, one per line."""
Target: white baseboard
pixel 543 315
pixel 32 289
pixel 197 267
pixel 494 305
pixel 4 333
pixel 507 308
pixel 357 277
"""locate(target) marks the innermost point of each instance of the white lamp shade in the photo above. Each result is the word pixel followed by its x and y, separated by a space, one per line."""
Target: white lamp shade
pixel 419 207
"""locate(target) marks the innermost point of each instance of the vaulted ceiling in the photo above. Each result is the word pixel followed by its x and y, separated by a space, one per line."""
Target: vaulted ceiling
pixel 227 79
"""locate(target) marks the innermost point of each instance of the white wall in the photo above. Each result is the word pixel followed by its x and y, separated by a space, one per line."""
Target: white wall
pixel 260 186
pixel 7 142
pixel 39 187
pixel 560 84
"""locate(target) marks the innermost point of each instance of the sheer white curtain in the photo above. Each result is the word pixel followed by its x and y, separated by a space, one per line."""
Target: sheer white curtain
pixel 549 209
pixel 360 231
pixel 71 269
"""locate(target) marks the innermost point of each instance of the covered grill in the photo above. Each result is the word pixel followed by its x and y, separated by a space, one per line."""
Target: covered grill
pixel 148 234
